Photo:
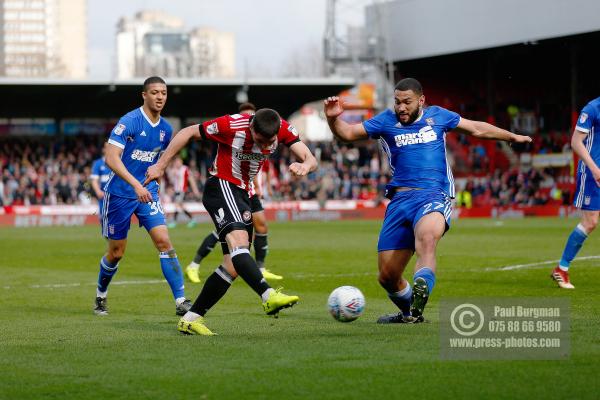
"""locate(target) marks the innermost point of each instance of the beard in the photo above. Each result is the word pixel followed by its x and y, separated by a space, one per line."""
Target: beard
pixel 411 116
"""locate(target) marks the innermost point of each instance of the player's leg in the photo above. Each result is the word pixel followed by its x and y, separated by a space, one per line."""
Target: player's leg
pixel 214 289
pixel 245 266
pixel 229 209
pixel 208 244
pixel 587 199
pixel 217 283
pixel 116 217
pixel 237 233
pixel 152 217
pixel 430 212
pixel 109 265
pixel 395 248
pixel 243 263
pixel 392 264
pixel 260 242
pixel 589 221
pixel 428 231
pixel 216 286
pixel 191 222
pixel 173 222
pixel 261 245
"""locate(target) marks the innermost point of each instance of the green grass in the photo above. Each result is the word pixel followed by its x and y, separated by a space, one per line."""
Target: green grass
pixel 52 346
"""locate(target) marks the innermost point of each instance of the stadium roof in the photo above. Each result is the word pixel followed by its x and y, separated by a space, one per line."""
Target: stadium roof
pixel 188 98
pixel 450 27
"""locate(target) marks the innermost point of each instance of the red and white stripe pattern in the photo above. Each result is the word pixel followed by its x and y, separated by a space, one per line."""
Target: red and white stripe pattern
pixel 238 158
pixel 179 178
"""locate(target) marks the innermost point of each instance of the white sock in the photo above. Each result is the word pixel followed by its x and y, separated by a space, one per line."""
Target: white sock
pixel 582 229
pixel 180 300
pixel 266 294
pixel 403 292
pixel 100 294
pixel 194 265
pixel 191 316
pixel 563 268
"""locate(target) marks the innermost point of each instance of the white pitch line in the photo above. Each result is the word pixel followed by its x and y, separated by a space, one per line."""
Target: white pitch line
pixel 55 285
pixel 151 281
pixel 348 275
pixel 536 264
pixel 303 276
pixel 155 281
pixel 77 284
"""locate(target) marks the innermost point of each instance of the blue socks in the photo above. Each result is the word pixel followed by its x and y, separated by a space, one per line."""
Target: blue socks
pixel 107 271
pixel 572 247
pixel 427 274
pixel 172 272
pixel 402 299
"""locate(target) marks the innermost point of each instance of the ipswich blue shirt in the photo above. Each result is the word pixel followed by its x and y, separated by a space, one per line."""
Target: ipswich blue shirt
pixel 416 152
pixel 100 171
pixel 589 122
pixel 142 141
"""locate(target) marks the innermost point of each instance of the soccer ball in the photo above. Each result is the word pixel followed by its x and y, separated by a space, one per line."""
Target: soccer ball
pixel 346 303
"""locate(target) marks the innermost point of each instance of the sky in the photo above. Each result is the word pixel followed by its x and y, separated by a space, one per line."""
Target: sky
pixel 268 32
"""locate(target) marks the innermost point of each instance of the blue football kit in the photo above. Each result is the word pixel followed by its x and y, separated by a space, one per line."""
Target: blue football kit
pixel 417 156
pixel 101 172
pixel 587 193
pixel 142 142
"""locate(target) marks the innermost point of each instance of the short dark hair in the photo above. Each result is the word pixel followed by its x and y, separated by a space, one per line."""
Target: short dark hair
pixel 153 79
pixel 246 106
pixel 266 122
pixel 409 84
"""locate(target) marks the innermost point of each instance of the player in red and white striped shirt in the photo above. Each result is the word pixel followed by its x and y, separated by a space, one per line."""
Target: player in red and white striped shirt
pixel 179 177
pixel 259 221
pixel 245 142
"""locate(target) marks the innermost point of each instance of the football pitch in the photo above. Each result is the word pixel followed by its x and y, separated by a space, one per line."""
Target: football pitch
pixel 53 346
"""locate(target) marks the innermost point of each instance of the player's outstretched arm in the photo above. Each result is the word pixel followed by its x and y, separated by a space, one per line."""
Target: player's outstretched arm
pixel 114 162
pixel 177 143
pixel 342 130
pixel 308 161
pixel 583 153
pixel 483 130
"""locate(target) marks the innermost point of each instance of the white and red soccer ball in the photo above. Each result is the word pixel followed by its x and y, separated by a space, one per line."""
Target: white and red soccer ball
pixel 346 303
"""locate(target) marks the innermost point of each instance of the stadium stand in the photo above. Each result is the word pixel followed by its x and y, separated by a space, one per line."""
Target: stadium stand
pixel 41 171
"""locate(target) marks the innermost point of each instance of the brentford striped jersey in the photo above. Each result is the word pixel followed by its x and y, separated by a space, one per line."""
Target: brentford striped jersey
pixel 179 177
pixel 238 158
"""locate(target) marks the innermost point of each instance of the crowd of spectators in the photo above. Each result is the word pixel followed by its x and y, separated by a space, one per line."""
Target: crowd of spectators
pixel 345 172
pixel 40 170
pixel 516 186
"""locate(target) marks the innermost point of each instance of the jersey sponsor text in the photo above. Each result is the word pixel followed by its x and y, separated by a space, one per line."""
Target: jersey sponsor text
pixel 143 155
pixel 425 135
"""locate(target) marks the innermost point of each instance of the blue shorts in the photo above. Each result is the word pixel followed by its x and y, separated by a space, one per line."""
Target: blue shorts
pixel 117 212
pixel 587 193
pixel 404 212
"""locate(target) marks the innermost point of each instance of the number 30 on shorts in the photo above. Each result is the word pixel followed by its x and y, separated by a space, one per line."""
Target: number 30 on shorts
pixel 156 207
